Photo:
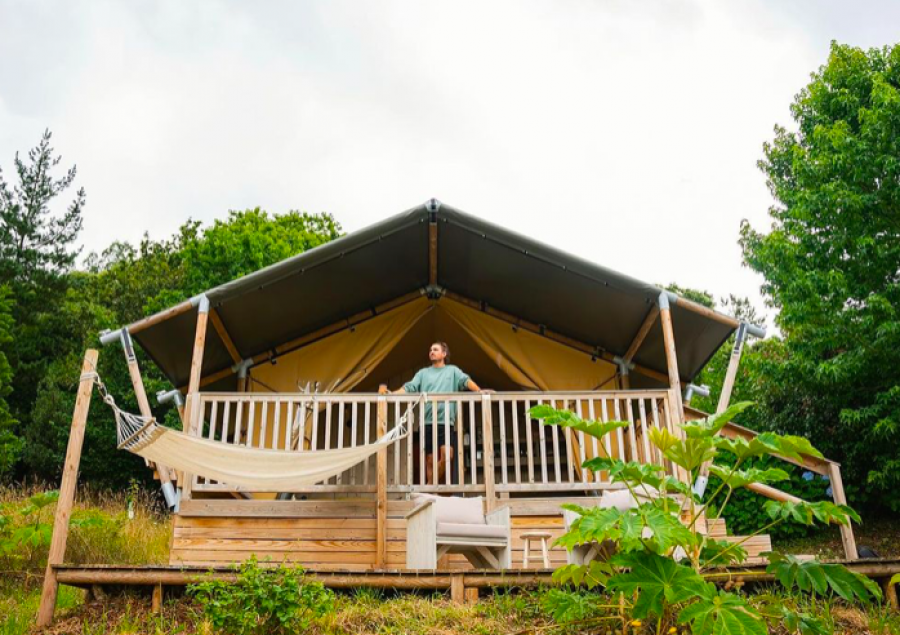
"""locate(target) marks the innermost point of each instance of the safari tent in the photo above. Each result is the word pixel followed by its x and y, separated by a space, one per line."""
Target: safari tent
pixel 291 358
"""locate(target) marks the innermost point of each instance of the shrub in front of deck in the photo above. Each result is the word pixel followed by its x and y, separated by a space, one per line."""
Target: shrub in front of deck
pixel 263 600
pixel 664 569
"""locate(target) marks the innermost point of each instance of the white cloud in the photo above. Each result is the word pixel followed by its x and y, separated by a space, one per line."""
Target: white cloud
pixel 626 132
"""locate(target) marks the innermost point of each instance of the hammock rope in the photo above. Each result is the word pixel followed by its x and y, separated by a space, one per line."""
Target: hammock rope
pixel 281 470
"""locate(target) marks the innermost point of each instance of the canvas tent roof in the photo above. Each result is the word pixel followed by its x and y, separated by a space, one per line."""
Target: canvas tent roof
pixel 475 259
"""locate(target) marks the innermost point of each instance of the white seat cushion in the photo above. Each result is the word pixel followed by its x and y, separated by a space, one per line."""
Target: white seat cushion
pixel 459 530
pixel 455 509
pixel 622 499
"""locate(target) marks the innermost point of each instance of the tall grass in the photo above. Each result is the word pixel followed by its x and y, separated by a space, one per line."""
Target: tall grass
pixel 109 536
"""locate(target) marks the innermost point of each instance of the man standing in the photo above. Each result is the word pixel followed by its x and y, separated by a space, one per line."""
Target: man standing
pixel 440 377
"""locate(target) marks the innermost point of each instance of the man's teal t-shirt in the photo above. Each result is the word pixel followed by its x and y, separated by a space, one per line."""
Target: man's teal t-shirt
pixel 446 379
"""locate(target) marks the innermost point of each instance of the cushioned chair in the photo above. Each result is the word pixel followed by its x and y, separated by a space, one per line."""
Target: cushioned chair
pixel 439 525
pixel 622 500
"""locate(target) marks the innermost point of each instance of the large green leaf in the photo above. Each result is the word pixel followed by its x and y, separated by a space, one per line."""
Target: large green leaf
pixel 817 577
pixel 722 613
pixel 788 445
pixel 713 424
pixel 668 530
pixel 691 453
pixel 721 553
pixel 595 573
pixel 742 478
pixel 568 419
pixel 807 513
pixel 657 581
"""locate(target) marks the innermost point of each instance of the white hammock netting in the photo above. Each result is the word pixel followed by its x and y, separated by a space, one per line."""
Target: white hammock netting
pixel 259 468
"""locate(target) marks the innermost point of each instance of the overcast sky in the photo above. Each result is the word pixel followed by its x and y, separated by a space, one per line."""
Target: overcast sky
pixel 624 131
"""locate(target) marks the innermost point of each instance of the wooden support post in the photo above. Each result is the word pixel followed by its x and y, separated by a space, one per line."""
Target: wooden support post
pixel 219 326
pixel 487 449
pixel 140 394
pixel 457 588
pixel 837 492
pixel 156 599
pixel 197 357
pixel 648 323
pixel 733 363
pixel 381 487
pixel 67 490
pixel 665 315
pixel 192 401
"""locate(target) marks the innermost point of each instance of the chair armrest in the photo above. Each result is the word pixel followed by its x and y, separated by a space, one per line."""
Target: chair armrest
pixel 419 508
pixel 498 517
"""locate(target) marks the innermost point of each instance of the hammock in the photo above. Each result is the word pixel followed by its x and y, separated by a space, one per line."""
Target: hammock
pixel 272 470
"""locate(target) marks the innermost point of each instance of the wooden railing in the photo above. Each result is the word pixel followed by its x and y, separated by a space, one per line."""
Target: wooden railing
pixel 500 449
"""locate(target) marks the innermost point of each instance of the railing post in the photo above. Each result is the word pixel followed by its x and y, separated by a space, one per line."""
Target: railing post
pixel 487 449
pixel 67 490
pixel 381 486
pixel 837 492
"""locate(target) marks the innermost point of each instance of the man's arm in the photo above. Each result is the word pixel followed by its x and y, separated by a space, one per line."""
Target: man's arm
pixel 471 385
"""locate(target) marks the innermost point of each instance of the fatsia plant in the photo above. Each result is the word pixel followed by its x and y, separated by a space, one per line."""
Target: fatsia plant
pixel 664 568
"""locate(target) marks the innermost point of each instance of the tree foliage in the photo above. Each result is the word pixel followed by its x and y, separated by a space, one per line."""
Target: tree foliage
pixel 123 284
pixel 831 264
pixel 37 249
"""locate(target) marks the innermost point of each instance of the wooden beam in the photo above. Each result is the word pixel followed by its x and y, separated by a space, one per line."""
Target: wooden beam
pixel 197 358
pixel 649 321
pixel 699 309
pixel 223 335
pixel 315 336
pixel 774 493
pixel 837 492
pixel 487 437
pixel 67 490
pixel 733 364
pixel 432 253
pixel 162 316
pixel 549 334
pixel 665 314
pixel 381 482
pixel 140 394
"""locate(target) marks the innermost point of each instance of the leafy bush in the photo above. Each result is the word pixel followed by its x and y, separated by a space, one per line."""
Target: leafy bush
pixel 664 567
pixel 261 600
pixel 745 512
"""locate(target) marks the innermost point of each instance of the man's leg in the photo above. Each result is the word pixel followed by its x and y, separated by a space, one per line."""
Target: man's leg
pixel 445 454
pixel 429 472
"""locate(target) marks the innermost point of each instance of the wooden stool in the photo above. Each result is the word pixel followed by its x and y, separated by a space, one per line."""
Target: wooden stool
pixel 543 536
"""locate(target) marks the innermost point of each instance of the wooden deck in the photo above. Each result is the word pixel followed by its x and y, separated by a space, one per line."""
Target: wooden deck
pixel 459 583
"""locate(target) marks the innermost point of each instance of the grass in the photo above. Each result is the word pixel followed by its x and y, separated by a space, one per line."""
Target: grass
pixel 881 534
pixel 111 537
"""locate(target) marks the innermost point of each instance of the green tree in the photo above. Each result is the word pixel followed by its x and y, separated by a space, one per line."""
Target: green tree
pixel 831 264
pixel 37 249
pixel 10 444
pixel 123 284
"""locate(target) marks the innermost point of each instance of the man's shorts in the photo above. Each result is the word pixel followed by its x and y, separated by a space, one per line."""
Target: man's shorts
pixel 441 437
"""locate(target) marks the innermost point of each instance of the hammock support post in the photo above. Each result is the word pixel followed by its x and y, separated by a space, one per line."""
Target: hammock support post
pixel 140 393
pixel 67 490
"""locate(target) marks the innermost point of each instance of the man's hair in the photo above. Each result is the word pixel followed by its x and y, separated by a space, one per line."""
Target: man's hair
pixel 446 348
